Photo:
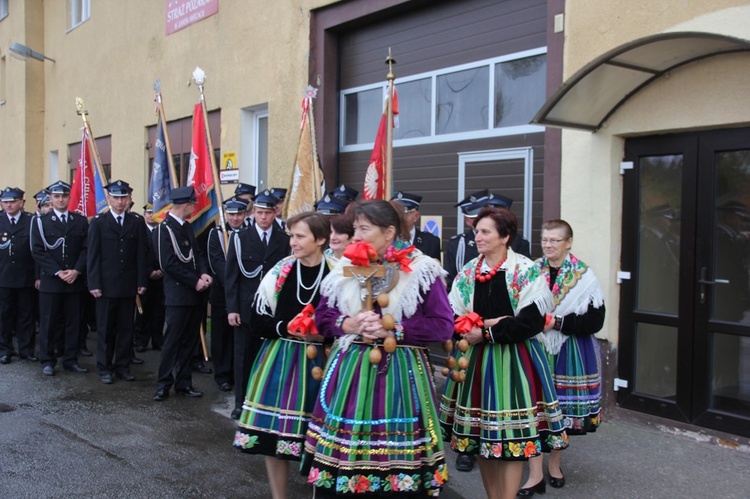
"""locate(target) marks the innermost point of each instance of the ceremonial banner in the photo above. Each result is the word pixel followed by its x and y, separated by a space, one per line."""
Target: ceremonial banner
pixel 160 188
pixel 375 177
pixel 308 183
pixel 200 177
pixel 87 192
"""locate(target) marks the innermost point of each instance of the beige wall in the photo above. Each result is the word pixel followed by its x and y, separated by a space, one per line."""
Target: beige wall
pixel 705 94
pixel 253 53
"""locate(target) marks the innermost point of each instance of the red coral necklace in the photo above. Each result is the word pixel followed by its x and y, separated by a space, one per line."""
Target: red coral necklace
pixel 486 277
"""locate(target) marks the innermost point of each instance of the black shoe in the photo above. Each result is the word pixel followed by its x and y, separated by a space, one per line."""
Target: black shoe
pixel 540 488
pixel 136 360
pixel 226 386
pixel 465 462
pixel 125 376
pixel 106 379
pixel 85 352
pixel 48 371
pixel 30 358
pixel 557 483
pixel 5 359
pixel 236 413
pixel 188 392
pixel 140 349
pixel 76 368
pixel 161 394
pixel 202 368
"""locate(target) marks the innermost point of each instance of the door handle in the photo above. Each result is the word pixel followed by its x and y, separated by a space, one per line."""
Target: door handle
pixel 706 282
pixel 715 281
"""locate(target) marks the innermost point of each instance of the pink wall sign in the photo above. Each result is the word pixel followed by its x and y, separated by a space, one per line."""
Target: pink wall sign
pixel 183 13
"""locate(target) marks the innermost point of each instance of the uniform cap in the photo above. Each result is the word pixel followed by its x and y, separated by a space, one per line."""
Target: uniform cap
pixel 183 195
pixel 11 194
pixel 344 192
pixel 244 189
pixel 266 200
pixel 59 187
pixel 118 189
pixel 410 201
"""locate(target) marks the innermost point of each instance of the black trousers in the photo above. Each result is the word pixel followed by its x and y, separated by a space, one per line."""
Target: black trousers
pixel 149 327
pixel 180 341
pixel 114 334
pixel 222 345
pixel 59 316
pixel 246 347
pixel 17 313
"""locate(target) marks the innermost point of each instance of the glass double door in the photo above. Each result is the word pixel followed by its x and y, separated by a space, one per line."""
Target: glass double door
pixel 685 310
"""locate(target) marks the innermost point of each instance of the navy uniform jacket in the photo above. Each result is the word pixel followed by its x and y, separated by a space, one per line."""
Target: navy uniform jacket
pixel 427 243
pixel 57 246
pixel 453 261
pixel 17 268
pixel 152 259
pixel 117 255
pixel 180 277
pixel 256 261
pixel 217 263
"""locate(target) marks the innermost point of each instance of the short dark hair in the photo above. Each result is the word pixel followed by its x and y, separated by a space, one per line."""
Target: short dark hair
pixel 317 223
pixel 343 224
pixel 505 221
pixel 383 214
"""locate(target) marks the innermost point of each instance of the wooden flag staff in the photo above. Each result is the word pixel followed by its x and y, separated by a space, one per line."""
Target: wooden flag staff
pixel 163 115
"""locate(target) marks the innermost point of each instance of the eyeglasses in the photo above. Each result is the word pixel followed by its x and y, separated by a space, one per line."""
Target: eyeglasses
pixel 547 240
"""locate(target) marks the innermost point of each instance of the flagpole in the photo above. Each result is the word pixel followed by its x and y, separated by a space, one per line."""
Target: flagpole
pixel 163 116
pixel 389 128
pixel 317 194
pixel 199 77
pixel 83 113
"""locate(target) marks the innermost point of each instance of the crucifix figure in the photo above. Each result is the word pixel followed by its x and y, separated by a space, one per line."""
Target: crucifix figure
pixel 364 276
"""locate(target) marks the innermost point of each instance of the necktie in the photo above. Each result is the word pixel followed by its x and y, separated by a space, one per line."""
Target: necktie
pixel 119 220
pixel 64 218
pixel 12 222
pixel 265 239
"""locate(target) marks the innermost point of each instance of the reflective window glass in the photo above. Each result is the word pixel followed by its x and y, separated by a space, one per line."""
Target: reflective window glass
pixel 363 111
pixel 520 90
pixel 462 101
pixel 414 108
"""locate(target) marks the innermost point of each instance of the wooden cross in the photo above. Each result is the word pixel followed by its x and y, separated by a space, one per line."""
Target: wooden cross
pixel 363 275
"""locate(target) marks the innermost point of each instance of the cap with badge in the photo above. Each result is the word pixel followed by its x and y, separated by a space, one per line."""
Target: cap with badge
pixel 183 195
pixel 345 192
pixel 472 198
pixel 331 205
pixel 266 200
pixel 11 194
pixel 410 201
pixel 235 205
pixel 59 187
pixel 244 189
pixel 279 192
pixel 148 208
pixel 118 189
pixel 491 200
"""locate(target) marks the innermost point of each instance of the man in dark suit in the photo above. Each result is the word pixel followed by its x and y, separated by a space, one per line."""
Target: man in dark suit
pixel 185 278
pixel 222 334
pixel 252 253
pixel 246 193
pixel 17 293
pixel 116 271
pixel 280 194
pixel 59 245
pixel 149 326
pixel 427 243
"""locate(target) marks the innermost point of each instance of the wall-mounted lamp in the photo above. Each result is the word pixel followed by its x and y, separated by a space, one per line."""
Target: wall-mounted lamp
pixel 22 52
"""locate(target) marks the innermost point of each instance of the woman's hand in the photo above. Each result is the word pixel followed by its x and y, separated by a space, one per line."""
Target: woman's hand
pixel 474 336
pixel 492 322
pixel 370 326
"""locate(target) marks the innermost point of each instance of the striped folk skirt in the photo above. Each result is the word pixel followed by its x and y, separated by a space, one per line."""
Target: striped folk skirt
pixel 279 401
pixel 506 408
pixel 576 372
pixel 375 428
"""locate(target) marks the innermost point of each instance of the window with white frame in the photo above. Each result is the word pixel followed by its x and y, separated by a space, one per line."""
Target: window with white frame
pixel 487 98
pixel 78 11
pixel 3 9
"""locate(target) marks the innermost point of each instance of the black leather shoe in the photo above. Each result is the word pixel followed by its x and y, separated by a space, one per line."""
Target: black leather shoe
pixel 30 358
pixel 202 368
pixel 106 379
pixel 540 488
pixel 225 387
pixel 236 413
pixel 465 462
pixel 85 352
pixel 75 368
pixel 140 349
pixel 125 376
pixel 188 392
pixel 161 394
pixel 5 359
pixel 48 371
pixel 136 360
pixel 557 483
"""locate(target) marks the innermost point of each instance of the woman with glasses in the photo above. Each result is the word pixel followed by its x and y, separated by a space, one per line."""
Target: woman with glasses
pixel 569 338
pixel 500 403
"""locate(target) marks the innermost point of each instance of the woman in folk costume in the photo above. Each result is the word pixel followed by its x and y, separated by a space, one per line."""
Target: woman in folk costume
pixel 342 232
pixel 500 402
pixel 375 427
pixel 283 380
pixel 569 338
